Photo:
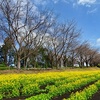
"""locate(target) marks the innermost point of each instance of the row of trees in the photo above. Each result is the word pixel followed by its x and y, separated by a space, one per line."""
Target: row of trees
pixel 36 38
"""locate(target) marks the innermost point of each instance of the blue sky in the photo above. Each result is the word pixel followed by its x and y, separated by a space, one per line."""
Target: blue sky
pixel 84 12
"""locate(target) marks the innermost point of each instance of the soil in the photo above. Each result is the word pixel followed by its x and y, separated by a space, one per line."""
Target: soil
pixel 96 96
pixel 16 98
pixel 24 97
pixel 42 70
pixel 67 95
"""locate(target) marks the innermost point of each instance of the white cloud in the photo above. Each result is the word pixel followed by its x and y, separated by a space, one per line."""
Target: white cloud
pixel 45 2
pixel 98 41
pixel 24 2
pixel 92 11
pixel 41 2
pixel 65 1
pixel 74 4
pixel 1 43
pixel 55 1
pixel 86 2
pixel 88 5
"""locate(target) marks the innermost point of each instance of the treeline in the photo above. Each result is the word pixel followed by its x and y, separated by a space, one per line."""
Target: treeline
pixel 35 38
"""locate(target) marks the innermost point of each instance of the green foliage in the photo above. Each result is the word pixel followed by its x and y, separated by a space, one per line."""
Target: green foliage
pixel 30 89
pixel 90 91
pixel 86 94
pixel 47 86
pixel 2 65
pixel 98 65
pixel 40 97
pixel 98 84
pixel 4 68
pixel 60 89
pixel 9 90
pixel 1 96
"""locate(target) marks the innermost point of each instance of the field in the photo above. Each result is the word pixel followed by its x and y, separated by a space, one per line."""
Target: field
pixel 51 85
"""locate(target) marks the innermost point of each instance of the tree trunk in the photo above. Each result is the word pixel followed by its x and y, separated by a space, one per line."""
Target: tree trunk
pixel 86 63
pixel 25 61
pixel 81 64
pixel 18 63
pixel 56 64
pixel 72 60
pixel 5 58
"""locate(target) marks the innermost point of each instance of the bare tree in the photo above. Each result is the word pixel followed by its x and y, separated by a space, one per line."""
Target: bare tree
pixel 96 60
pixel 86 54
pixel 80 53
pixel 72 55
pixel 61 39
pixel 93 57
pixel 25 27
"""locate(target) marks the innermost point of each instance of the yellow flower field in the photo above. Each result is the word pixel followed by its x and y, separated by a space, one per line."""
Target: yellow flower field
pixel 49 85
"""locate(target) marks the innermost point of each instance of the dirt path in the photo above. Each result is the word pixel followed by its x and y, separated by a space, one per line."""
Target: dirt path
pixel 96 96
pixel 67 95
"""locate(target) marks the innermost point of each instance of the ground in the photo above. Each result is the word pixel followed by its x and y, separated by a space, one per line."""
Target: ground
pixel 96 96
pixel 10 71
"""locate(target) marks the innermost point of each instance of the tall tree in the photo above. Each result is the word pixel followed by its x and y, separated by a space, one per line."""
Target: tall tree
pixel 86 54
pixel 24 26
pixel 6 47
pixel 63 37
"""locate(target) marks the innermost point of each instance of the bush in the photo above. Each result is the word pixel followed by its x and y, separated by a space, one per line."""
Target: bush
pixel 2 65
pixel 98 65
pixel 30 89
pixel 4 68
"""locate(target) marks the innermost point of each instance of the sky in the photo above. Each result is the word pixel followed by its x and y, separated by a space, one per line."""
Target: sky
pixel 85 13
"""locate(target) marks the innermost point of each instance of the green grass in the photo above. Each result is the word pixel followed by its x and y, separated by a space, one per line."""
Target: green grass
pixel 3 67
